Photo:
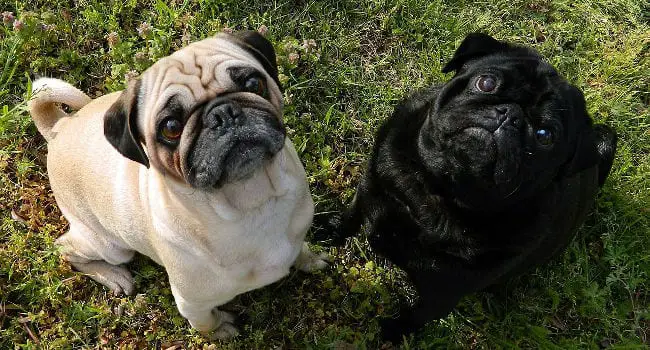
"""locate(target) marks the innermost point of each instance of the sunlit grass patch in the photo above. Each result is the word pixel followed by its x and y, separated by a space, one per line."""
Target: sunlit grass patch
pixel 344 65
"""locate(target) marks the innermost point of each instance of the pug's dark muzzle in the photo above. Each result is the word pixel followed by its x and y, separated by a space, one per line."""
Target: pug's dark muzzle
pixel 485 151
pixel 499 118
pixel 234 140
pixel 509 139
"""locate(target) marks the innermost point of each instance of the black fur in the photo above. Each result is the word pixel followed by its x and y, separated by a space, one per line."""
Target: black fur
pixel 120 125
pixel 460 209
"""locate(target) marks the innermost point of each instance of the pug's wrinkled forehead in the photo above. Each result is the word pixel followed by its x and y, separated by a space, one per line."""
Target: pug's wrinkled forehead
pixel 204 70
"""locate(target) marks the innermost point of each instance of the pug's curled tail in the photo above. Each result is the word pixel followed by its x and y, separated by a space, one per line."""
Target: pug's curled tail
pixel 47 96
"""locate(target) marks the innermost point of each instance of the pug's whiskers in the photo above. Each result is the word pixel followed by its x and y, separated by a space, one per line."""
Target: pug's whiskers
pixel 513 191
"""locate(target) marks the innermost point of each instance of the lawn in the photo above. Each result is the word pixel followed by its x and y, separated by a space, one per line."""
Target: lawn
pixel 344 65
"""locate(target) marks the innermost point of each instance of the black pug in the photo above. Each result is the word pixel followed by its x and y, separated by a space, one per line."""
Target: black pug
pixel 479 179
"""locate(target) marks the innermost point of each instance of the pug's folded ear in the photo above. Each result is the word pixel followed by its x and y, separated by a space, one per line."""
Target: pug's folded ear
pixel 474 45
pixel 121 127
pixel 261 48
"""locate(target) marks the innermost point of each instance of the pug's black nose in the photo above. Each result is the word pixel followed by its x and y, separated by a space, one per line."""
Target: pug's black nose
pixel 224 114
pixel 509 115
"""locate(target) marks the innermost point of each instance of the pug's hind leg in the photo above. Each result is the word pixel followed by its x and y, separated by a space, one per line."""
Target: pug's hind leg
pixel 116 278
pixel 98 258
pixel 309 261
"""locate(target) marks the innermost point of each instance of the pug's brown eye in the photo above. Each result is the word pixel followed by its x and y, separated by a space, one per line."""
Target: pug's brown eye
pixel 257 86
pixel 544 137
pixel 486 83
pixel 171 130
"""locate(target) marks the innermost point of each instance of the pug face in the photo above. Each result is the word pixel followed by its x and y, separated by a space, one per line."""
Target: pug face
pixel 504 126
pixel 207 115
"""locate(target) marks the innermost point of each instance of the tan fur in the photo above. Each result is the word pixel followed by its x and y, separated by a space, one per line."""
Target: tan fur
pixel 214 244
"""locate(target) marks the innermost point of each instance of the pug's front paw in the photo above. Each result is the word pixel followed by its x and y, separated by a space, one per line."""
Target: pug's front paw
pixel 226 329
pixel 309 261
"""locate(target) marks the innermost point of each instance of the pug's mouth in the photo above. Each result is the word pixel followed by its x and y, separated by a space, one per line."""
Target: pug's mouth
pixel 215 164
pixel 243 160
pixel 508 162
pixel 492 153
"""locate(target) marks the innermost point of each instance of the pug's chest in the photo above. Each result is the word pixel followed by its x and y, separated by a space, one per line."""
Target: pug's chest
pixel 262 265
pixel 450 235
pixel 256 248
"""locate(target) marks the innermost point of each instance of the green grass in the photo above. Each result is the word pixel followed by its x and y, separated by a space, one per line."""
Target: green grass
pixel 368 55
